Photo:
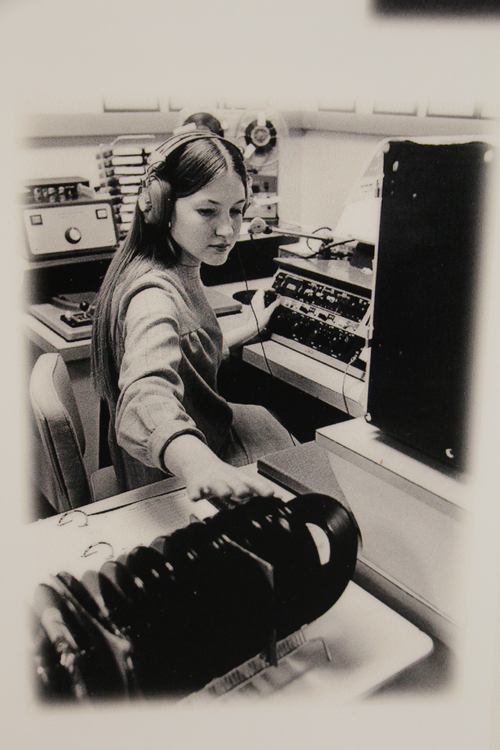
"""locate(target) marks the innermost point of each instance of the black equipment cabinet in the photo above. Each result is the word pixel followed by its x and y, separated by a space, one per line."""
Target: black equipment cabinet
pixel 430 244
pixel 47 279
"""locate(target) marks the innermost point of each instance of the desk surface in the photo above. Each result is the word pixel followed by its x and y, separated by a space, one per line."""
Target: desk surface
pixel 368 642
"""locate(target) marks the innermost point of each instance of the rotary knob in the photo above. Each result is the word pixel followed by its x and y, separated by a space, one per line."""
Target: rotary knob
pixel 73 235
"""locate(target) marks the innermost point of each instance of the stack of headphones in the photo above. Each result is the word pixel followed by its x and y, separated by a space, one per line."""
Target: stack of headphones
pixel 168 618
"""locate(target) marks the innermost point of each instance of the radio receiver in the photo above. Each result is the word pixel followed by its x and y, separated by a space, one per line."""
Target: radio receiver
pixel 63 216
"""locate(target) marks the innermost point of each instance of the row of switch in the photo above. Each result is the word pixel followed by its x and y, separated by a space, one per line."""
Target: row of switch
pixel 322 337
pixel 327 297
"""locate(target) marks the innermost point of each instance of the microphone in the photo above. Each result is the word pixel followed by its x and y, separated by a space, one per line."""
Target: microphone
pixel 259 226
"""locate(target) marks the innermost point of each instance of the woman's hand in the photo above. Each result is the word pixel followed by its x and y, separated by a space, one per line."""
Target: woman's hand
pixel 257 318
pixel 206 476
pixel 225 486
pixel 261 312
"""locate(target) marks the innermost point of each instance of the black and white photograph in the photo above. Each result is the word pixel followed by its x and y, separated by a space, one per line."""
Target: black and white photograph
pixel 250 414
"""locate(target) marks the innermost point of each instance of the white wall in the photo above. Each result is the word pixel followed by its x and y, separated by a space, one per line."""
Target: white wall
pixel 317 173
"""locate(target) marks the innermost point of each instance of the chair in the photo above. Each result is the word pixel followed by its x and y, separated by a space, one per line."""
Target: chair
pixel 63 440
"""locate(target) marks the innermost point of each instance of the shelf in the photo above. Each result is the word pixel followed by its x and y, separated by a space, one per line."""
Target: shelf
pixel 65 260
pixel 107 125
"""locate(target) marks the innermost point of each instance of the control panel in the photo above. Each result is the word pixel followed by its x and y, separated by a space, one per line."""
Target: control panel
pixel 57 229
pixel 69 315
pixel 323 319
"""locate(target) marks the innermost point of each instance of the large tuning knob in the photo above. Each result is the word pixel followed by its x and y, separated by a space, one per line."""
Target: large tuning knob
pixel 73 235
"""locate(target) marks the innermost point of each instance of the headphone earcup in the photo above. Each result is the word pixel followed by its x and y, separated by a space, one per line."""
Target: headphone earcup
pixel 155 202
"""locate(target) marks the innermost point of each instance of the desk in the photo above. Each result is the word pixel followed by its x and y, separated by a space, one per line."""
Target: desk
pixel 415 520
pixel 326 383
pixel 369 643
pixel 305 373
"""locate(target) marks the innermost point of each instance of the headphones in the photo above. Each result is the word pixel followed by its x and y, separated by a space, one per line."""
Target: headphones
pixel 156 195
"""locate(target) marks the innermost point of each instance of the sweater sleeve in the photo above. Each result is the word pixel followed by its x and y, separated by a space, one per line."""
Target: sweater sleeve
pixel 149 413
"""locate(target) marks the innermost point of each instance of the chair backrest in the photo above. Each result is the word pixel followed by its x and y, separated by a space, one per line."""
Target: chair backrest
pixel 61 430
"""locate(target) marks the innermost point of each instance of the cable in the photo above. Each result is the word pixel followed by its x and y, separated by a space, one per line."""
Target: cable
pixel 327 245
pixel 320 229
pixel 259 332
pixel 344 382
pixel 366 321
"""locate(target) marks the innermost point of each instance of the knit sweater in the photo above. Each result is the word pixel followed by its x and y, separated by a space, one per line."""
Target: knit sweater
pixel 168 348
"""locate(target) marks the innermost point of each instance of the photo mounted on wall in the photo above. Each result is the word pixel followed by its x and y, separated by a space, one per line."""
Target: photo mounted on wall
pixel 251 365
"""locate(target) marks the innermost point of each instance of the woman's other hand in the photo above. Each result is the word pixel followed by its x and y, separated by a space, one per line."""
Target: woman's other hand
pixel 257 318
pixel 261 312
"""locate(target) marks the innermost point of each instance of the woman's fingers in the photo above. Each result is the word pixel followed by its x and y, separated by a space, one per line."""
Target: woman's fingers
pixel 271 308
pixel 259 486
pixel 236 486
pixel 258 299
pixel 262 312
pixel 258 303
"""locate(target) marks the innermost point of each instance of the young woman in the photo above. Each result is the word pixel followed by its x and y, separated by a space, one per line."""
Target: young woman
pixel 157 345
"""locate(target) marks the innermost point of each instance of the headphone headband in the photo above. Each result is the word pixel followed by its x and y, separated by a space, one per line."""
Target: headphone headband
pixel 155 197
pixel 159 156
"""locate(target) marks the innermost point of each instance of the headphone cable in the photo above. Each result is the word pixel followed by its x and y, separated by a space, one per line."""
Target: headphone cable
pixel 344 379
pixel 259 332
pixel 293 440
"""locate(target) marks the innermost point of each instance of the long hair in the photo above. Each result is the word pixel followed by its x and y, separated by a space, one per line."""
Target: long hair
pixel 185 171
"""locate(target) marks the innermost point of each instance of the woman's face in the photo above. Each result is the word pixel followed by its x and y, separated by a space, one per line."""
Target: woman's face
pixel 207 224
